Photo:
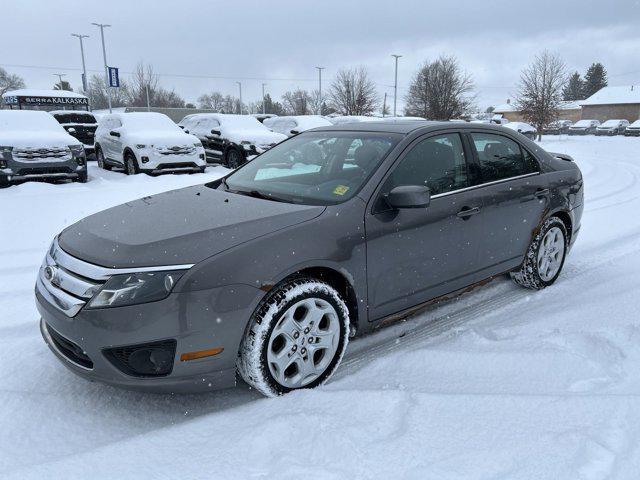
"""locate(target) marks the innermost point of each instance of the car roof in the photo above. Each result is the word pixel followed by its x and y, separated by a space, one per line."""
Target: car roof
pixel 407 127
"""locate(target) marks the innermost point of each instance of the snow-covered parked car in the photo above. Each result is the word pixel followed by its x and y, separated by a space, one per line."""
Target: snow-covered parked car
pixel 231 139
pixel 34 146
pixel 633 130
pixel 146 142
pixel 584 127
pixel 612 127
pixel 558 127
pixel 341 120
pixel 525 129
pixel 79 124
pixel 293 125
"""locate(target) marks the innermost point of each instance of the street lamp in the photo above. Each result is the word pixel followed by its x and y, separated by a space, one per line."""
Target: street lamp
pixel 84 67
pixel 60 75
pixel 320 89
pixel 104 56
pixel 240 87
pixel 263 105
pixel 395 85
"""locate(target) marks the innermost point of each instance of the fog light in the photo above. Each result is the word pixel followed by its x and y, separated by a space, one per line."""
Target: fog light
pixel 144 360
pixel 145 159
pixel 3 164
pixel 201 156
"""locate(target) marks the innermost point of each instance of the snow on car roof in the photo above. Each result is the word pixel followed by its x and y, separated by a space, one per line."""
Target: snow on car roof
pixel 520 126
pixel 611 123
pixel 583 123
pixel 148 121
pixel 614 96
pixel 29 92
pixel 27 120
pixel 635 124
pixel 304 121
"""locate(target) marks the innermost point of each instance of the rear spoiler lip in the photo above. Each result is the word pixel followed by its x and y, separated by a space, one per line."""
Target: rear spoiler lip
pixel 562 156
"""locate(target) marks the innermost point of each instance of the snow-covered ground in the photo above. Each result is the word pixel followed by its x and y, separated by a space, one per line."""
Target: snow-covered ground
pixel 503 383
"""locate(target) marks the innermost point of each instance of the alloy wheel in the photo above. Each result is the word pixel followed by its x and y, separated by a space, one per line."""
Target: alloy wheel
pixel 551 254
pixel 303 342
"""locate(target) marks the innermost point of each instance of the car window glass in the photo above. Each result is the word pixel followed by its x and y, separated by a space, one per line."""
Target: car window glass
pixel 500 157
pixel 436 162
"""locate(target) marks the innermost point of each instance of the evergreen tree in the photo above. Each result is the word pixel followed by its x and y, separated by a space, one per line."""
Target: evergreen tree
pixel 574 89
pixel 595 79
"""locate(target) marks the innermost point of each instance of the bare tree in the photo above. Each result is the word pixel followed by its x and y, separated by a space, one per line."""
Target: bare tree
pixel 97 93
pixel 440 90
pixel 297 102
pixel 9 81
pixel 63 85
pixel 540 90
pixel 353 93
pixel 145 79
pixel 213 101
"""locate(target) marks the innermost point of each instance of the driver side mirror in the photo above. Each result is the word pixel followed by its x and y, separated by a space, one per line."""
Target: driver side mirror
pixel 216 132
pixel 409 196
pixel 294 132
pixel 113 133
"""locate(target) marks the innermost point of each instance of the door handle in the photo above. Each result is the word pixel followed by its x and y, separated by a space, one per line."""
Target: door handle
pixel 467 212
pixel 542 192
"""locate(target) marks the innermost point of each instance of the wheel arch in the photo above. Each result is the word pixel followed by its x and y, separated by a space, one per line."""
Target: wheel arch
pixel 566 219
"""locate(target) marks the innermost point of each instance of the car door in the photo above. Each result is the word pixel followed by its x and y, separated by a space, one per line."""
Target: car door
pixel 215 142
pixel 416 254
pixel 514 195
pixel 107 141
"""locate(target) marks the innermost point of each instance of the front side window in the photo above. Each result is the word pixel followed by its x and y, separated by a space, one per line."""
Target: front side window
pixel 315 168
pixel 501 158
pixel 437 163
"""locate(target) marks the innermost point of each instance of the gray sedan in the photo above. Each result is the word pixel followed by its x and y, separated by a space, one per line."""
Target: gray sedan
pixel 266 274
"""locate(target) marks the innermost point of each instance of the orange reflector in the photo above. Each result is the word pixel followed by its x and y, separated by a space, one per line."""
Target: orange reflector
pixel 185 357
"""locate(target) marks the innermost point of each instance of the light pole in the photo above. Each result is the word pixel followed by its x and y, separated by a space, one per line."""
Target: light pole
pixel 104 56
pixel 240 87
pixel 320 89
pixel 395 85
pixel 263 105
pixel 60 75
pixel 84 67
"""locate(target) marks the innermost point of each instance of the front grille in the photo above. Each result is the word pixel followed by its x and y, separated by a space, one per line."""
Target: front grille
pixel 177 150
pixel 69 349
pixel 144 360
pixel 172 166
pixel 55 153
pixel 43 170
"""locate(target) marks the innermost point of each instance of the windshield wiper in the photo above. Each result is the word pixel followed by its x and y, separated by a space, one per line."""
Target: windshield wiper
pixel 257 194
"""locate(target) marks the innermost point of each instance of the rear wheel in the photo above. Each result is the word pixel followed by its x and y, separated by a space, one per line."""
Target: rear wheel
pixel 100 159
pixel 4 181
pixel 83 177
pixel 234 158
pixel 296 338
pixel 545 257
pixel 130 164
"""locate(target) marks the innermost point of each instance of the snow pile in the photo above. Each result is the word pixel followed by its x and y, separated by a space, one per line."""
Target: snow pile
pixel 31 128
pixel 502 383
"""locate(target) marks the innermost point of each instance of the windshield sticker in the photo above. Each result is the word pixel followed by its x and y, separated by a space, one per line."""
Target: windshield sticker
pixel 340 190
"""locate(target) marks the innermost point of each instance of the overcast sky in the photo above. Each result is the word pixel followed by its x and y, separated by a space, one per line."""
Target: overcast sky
pixel 280 42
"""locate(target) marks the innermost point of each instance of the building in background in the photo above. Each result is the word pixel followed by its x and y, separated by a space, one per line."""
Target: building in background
pixel 47 100
pixel 569 110
pixel 613 103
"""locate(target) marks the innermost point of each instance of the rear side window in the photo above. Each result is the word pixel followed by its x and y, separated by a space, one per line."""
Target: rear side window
pixel 501 158
pixel 436 162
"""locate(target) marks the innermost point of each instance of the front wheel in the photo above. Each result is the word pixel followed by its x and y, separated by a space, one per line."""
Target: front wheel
pixel 234 158
pixel 296 338
pixel 100 159
pixel 545 257
pixel 130 164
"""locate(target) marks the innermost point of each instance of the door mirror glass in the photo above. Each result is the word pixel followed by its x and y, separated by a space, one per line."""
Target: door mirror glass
pixel 409 196
pixel 113 133
pixel 294 132
pixel 216 132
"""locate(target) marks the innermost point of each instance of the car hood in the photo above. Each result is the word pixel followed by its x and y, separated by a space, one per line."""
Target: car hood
pixel 162 138
pixel 256 137
pixel 37 140
pixel 177 227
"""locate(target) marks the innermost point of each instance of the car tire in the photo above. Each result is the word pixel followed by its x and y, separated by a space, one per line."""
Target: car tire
pixel 279 351
pixel 233 158
pixel 83 177
pixel 203 169
pixel 100 159
pixel 545 256
pixel 4 181
pixel 130 164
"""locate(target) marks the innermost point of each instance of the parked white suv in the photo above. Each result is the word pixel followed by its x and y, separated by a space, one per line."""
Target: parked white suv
pixel 34 146
pixel 146 142
pixel 293 125
pixel 231 139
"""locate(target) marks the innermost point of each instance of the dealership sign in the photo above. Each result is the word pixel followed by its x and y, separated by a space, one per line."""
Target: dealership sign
pixel 39 100
pixel 114 77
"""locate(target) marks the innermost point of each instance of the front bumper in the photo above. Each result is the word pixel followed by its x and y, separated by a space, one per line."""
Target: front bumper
pixel 632 133
pixel 197 321
pixel 16 171
pixel 150 161
pixel 608 133
pixel 578 132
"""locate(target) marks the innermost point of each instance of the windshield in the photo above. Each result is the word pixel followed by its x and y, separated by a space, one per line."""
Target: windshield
pixel 149 121
pixel 75 117
pixel 314 168
pixel 28 121
pixel 610 123
pixel 582 123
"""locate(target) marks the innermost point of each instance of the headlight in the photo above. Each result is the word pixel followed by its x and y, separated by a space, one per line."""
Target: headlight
pixel 141 146
pixel 6 153
pixel 135 288
pixel 197 145
pixel 77 150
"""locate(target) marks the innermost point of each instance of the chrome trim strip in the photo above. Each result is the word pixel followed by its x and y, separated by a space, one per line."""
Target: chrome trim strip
pixel 495 182
pixel 98 273
pixel 67 304
pixel 47 336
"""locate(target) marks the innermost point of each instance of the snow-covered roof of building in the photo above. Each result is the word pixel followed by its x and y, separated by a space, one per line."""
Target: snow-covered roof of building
pixel 511 107
pixel 29 92
pixel 614 96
